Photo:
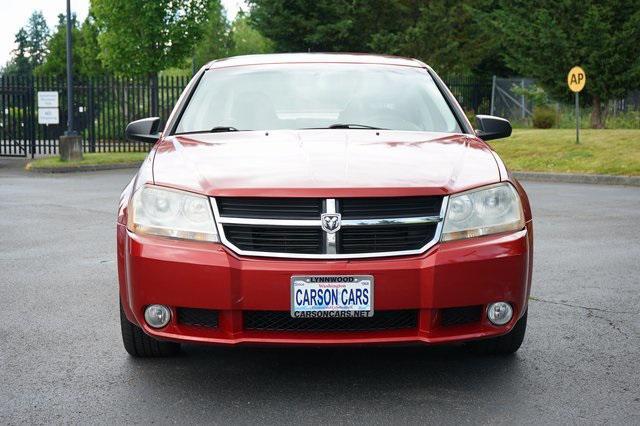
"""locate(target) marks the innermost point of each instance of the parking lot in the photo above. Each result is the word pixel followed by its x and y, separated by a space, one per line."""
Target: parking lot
pixel 62 360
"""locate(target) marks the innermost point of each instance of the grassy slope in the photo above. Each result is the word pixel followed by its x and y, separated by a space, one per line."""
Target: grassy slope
pixel 609 151
pixel 90 159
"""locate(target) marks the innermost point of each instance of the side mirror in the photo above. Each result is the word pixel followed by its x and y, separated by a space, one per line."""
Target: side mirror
pixel 144 130
pixel 490 127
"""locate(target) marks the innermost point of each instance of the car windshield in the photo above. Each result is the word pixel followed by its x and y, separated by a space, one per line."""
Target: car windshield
pixel 310 96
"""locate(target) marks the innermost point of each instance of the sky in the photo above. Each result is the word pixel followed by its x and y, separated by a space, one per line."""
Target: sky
pixel 15 13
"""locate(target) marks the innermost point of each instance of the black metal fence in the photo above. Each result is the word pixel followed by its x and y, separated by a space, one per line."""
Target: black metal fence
pixel 103 107
pixel 473 94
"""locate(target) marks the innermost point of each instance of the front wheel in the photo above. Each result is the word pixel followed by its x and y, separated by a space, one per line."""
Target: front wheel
pixel 141 345
pixel 507 344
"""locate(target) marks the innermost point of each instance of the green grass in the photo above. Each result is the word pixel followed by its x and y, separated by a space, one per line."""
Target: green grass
pixel 90 159
pixel 606 151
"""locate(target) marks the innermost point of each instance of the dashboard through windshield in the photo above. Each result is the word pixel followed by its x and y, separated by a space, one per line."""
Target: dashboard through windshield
pixel 319 95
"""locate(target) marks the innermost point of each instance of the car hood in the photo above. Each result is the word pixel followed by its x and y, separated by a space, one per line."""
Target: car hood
pixel 324 163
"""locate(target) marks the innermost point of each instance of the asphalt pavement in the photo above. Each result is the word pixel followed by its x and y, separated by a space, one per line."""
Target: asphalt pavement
pixel 62 360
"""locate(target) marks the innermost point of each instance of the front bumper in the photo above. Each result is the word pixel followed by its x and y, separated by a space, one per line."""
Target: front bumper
pixel 185 274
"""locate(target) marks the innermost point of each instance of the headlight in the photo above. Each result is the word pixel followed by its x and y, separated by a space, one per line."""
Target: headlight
pixel 171 213
pixel 483 211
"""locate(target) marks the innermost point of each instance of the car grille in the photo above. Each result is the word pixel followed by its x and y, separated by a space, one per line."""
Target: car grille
pixel 282 321
pixel 270 208
pixel 197 317
pixel 280 227
pixel 373 239
pixel 368 208
pixel 275 239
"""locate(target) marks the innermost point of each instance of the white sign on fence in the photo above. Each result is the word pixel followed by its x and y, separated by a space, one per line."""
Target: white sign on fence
pixel 48 100
pixel 48 108
pixel 48 116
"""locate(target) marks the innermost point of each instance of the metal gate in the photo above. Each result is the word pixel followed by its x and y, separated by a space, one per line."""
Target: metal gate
pixel 17 117
pixel 102 108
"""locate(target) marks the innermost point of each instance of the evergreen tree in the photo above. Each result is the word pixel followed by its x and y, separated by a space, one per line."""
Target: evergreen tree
pixel 450 36
pixel 547 39
pixel 38 36
pixel 298 26
pixel 31 46
pixel 19 64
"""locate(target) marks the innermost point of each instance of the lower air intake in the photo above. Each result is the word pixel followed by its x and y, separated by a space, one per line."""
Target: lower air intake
pixel 459 316
pixel 198 317
pixel 282 321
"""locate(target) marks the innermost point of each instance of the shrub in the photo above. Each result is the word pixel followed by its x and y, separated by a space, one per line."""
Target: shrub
pixel 544 118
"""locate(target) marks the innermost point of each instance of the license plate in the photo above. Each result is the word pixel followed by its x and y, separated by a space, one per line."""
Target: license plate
pixel 331 296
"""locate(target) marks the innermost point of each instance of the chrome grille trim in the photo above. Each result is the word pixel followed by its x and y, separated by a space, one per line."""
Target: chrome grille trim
pixel 316 223
pixel 330 243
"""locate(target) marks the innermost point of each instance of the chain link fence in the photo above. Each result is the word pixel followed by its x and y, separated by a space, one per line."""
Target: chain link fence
pixel 509 102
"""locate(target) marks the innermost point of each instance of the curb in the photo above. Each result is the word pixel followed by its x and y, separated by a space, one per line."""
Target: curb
pixel 578 178
pixel 85 168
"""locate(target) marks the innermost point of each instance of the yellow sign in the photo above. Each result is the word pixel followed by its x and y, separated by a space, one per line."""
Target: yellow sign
pixel 576 79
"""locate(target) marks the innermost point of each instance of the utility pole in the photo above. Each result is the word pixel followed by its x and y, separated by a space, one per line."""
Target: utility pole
pixel 71 142
pixel 70 130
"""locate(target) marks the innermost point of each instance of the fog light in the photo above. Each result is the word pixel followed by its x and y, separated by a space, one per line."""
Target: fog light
pixel 157 316
pixel 500 313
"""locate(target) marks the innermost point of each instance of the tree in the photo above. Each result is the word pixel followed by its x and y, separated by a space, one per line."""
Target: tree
pixel 85 49
pixel 55 63
pixel 546 40
pixel 215 42
pixel 298 26
pixel 38 36
pixel 31 41
pixel 450 38
pixel 19 63
pixel 143 37
pixel 245 40
pixel 89 49
pixel 447 35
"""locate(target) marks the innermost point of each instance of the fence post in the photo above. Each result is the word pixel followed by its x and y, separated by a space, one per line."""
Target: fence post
pixel 91 116
pixel 32 120
pixel 154 94
pixel 522 99
pixel 493 94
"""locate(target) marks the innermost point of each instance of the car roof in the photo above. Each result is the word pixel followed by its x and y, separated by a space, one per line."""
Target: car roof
pixel 292 58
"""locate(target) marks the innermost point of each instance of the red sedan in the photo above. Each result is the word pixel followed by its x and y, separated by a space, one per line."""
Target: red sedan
pixel 322 199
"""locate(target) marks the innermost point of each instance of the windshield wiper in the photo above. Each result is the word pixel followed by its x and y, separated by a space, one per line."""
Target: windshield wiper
pixel 352 126
pixel 217 129
pixel 220 129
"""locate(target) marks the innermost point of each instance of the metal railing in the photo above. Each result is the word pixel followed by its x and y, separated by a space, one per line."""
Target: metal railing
pixel 102 108
pixel 104 105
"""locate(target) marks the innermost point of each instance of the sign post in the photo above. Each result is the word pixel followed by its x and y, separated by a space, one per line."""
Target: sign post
pixel 576 80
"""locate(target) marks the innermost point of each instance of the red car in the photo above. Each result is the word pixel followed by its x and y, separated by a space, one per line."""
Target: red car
pixel 322 199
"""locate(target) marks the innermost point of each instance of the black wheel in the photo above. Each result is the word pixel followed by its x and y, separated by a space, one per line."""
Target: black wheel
pixel 140 345
pixel 507 344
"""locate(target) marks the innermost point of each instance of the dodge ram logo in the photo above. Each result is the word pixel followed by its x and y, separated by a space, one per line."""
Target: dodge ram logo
pixel 330 222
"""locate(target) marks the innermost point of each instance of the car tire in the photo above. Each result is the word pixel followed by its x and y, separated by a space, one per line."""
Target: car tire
pixel 507 344
pixel 141 345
